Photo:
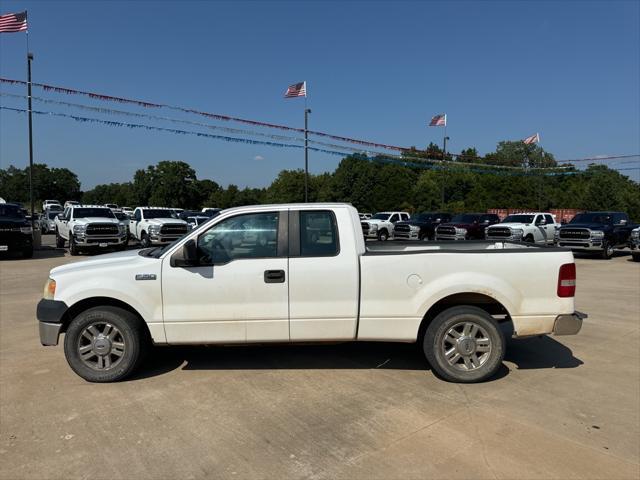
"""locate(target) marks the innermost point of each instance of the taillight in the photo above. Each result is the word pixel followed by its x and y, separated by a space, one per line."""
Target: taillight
pixel 567 280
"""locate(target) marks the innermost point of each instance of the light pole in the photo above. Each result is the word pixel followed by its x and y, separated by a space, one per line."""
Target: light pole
pixel 307 111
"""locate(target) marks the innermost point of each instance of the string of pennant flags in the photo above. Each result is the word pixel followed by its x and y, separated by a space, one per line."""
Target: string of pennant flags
pixel 414 162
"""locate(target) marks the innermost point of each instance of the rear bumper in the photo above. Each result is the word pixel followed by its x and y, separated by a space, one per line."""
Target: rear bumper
pixel 566 324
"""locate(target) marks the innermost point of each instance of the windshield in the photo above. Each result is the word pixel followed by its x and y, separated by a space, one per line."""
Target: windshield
pixel 121 216
pixel 464 218
pixel 519 219
pixel 54 208
pixel 158 213
pixel 92 212
pixel 11 211
pixel 381 216
pixel 591 218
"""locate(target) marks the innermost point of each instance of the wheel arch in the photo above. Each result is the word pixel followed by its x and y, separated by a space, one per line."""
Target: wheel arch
pixel 87 303
pixel 485 302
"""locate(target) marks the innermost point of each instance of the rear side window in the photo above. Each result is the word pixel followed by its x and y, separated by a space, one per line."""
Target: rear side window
pixel 318 234
pixel 549 219
pixel 404 216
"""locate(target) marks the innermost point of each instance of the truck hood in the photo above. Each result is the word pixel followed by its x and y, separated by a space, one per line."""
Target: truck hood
pixel 591 226
pixel 511 225
pixel 415 223
pixel 458 225
pixel 162 221
pixel 376 222
pixel 87 220
pixel 128 258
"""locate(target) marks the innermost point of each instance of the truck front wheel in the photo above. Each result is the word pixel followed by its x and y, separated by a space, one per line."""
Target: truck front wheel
pixel 383 235
pixel 464 344
pixel 59 240
pixel 607 251
pixel 145 241
pixel 73 248
pixel 105 344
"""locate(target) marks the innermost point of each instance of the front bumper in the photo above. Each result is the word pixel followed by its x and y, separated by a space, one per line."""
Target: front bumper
pixel 16 242
pixel 100 241
pixel 50 314
pixel 582 245
pixel 569 324
pixel 411 235
pixel 450 237
pixel 164 239
pixel 510 238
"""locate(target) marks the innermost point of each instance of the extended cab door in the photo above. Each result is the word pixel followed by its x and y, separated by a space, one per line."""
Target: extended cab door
pixel 134 224
pixel 324 275
pixel 239 290
pixel 63 223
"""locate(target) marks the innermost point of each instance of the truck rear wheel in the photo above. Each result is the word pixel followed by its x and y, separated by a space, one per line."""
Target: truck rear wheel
pixel 636 256
pixel 105 344
pixel 464 344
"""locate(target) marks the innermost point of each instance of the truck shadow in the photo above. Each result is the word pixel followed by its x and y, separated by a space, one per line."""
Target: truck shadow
pixel 533 353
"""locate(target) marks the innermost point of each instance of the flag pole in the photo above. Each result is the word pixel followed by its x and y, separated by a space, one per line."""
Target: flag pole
pixel 29 59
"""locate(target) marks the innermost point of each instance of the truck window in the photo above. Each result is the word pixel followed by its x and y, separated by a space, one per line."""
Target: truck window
pixel 394 218
pixel 137 216
pixel 549 219
pixel 404 217
pixel 253 235
pixel 318 234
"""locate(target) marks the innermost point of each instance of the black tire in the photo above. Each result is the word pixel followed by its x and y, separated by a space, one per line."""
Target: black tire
pixel 485 365
pixel 529 239
pixel 607 251
pixel 27 252
pixel 145 241
pixel 73 248
pixel 635 256
pixel 131 334
pixel 59 240
pixel 383 235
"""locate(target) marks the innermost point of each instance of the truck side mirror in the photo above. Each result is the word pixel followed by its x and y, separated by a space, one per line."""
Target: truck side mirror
pixel 187 256
pixel 623 222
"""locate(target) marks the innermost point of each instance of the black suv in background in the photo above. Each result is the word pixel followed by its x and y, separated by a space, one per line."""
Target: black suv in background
pixel 16 234
pixel 596 232
pixel 421 226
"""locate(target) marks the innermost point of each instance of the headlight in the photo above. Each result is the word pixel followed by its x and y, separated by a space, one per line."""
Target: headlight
pixel 414 228
pixel 154 229
pixel 26 229
pixel 79 229
pixel 49 289
pixel 635 235
pixel 373 227
pixel 121 228
pixel 597 234
pixel 461 231
pixel 516 232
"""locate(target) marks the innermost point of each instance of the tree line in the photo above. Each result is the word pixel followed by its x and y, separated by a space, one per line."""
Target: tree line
pixel 369 184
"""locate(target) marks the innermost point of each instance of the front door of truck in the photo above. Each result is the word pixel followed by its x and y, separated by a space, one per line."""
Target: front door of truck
pixel 324 276
pixel 239 291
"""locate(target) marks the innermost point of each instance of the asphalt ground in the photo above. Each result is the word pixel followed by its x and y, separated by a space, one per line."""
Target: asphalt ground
pixel 560 407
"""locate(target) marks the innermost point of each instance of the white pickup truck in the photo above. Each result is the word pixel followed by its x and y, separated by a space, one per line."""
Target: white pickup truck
pixel 536 227
pixel 89 227
pixel 302 273
pixel 380 226
pixel 156 226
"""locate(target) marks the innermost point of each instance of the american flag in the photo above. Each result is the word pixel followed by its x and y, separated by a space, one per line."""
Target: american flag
pixel 296 90
pixel 439 120
pixel 532 139
pixel 13 22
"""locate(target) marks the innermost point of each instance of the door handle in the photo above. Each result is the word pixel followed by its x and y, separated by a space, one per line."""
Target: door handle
pixel 274 276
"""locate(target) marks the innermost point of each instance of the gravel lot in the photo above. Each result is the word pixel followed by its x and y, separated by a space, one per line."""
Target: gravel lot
pixel 564 407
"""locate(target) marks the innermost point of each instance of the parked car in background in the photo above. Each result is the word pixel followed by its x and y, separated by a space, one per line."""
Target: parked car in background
pixel 211 212
pixel 112 206
pixel 380 225
pixel 47 204
pixel 71 203
pixel 466 226
pixel 127 210
pixel 364 216
pixel 532 227
pixel 89 227
pixel 48 221
pixel 53 207
pixel 421 226
pixel 236 280
pixel 156 226
pixel 634 244
pixel 596 232
pixel 16 233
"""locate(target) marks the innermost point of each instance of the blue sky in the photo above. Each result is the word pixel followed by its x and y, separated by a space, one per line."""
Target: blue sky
pixel 376 70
